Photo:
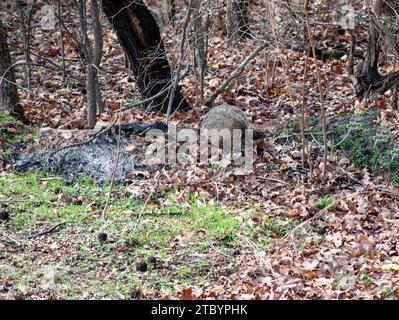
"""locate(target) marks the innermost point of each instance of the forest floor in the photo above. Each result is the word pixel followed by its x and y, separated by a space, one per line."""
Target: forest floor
pixel 194 232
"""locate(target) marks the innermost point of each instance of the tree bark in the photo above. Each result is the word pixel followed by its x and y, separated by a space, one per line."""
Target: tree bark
pixel 370 68
pixel 98 51
pixel 201 54
pixel 237 19
pixel 171 10
pixel 92 54
pixel 394 98
pixel 139 36
pixel 369 80
pixel 199 35
pixel 8 90
pixel 25 18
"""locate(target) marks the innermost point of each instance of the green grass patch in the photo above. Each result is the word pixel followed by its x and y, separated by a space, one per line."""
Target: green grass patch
pixel 72 262
pixel 326 202
pixel 368 144
pixel 360 137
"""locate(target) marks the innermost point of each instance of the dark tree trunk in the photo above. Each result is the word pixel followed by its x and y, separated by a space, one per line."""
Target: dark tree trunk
pixel 237 19
pixel 369 80
pixel 394 98
pixel 370 67
pixel 139 36
pixel 369 74
pixel 8 90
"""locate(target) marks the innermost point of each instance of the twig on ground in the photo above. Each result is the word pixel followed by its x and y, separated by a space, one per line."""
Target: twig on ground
pixel 379 189
pixel 11 239
pixel 273 180
pixel 50 178
pixel 35 235
pixel 16 201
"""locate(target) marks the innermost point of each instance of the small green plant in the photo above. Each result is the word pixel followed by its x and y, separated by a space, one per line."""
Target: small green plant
pixel 185 271
pixel 335 285
pixel 277 228
pixel 325 203
pixel 360 137
pixel 365 277
pixel 367 144
pixel 386 292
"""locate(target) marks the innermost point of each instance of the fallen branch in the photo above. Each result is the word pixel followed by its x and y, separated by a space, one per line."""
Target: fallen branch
pixel 273 180
pixel 11 239
pixel 234 74
pixel 16 201
pixel 324 54
pixel 35 235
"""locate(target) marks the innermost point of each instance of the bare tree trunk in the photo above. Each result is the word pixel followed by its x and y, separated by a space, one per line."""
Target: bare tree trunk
pixel 391 10
pixel 62 45
pixel 171 6
pixel 91 96
pixel 25 16
pixel 90 73
pixel 394 98
pixel 98 51
pixel 139 36
pixel 93 58
pixel 199 34
pixel 370 80
pixel 370 67
pixel 369 73
pixel 351 59
pixel 200 48
pixel 8 89
pixel 237 19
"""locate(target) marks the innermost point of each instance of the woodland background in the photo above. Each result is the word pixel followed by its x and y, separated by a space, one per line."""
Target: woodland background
pixel 318 217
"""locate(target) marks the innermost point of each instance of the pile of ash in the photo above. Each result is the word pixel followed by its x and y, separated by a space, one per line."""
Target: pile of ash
pixel 95 159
